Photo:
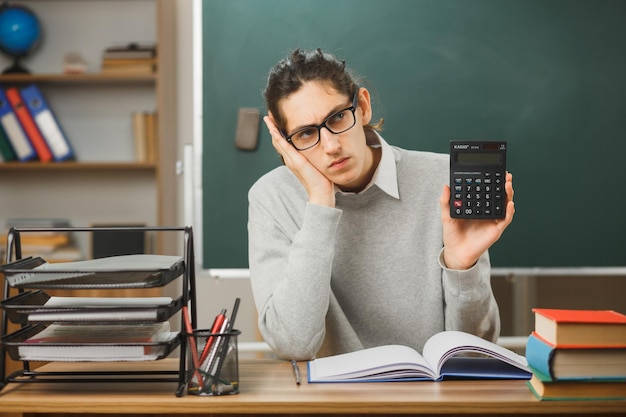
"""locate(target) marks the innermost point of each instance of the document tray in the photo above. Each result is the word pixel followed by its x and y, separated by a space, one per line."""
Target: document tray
pixel 29 307
pixel 92 279
pixel 60 351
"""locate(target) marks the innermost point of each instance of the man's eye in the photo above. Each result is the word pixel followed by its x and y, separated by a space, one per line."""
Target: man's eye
pixel 336 119
pixel 306 134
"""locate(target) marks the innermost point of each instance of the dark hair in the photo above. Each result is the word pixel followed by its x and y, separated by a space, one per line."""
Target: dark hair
pixel 288 75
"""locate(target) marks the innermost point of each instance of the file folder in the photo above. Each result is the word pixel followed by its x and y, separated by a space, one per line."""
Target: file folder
pixel 47 123
pixel 29 125
pixel 24 151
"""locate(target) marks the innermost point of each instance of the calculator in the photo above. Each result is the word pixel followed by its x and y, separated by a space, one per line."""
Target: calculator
pixel 477 177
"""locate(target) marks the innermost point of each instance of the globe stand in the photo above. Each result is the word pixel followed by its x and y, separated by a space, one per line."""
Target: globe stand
pixel 16 67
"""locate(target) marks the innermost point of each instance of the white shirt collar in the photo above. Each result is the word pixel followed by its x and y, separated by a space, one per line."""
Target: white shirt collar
pixel 385 177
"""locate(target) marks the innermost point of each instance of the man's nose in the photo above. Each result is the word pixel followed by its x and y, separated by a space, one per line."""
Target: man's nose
pixel 329 140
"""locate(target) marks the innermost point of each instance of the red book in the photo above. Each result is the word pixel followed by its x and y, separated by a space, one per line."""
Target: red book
pixel 581 328
pixel 29 125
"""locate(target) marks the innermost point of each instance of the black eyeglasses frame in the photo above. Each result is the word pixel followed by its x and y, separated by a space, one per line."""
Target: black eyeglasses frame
pixel 352 108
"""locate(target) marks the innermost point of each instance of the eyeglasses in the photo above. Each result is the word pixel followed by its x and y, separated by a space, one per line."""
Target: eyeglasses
pixel 339 122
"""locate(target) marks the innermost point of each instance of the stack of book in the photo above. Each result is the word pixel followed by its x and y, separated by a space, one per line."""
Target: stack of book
pixel 28 128
pixel 133 58
pixel 577 354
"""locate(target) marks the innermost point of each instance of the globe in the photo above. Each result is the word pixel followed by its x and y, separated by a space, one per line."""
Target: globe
pixel 20 33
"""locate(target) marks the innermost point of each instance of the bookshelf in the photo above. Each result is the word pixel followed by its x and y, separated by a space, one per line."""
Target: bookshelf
pixel 105 184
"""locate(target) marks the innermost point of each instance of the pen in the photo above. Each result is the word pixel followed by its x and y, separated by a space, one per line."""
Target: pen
pixel 296 371
pixel 217 325
pixel 221 353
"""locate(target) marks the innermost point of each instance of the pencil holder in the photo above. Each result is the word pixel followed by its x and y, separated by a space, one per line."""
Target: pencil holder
pixel 213 363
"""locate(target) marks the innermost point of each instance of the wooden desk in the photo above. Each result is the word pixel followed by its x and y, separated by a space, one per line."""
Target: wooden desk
pixel 268 387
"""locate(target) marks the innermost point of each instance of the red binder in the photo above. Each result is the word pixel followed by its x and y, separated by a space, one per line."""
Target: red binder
pixel 27 122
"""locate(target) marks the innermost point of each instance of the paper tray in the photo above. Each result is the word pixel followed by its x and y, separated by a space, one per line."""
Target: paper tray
pixel 15 344
pixel 29 307
pixel 21 274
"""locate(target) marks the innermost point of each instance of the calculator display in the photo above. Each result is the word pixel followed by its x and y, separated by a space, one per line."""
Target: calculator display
pixel 478 157
pixel 477 177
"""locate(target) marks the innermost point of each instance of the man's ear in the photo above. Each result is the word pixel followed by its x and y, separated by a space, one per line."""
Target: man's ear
pixel 365 105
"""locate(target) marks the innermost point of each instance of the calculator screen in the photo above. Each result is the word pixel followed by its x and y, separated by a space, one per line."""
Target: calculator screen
pixel 492 158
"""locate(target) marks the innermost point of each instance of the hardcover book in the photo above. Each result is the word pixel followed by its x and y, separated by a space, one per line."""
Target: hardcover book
pixel 576 390
pixel 575 363
pixel 446 355
pixel 581 328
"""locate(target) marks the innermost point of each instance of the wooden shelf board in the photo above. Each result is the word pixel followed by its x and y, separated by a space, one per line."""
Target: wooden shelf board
pixel 77 166
pixel 74 78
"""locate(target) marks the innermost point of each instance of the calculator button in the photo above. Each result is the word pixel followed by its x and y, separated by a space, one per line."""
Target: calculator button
pixel 478 195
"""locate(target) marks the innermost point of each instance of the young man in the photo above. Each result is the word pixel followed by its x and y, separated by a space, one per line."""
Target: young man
pixel 351 244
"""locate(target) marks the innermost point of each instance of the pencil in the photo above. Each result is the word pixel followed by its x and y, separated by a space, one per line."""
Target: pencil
pixel 192 345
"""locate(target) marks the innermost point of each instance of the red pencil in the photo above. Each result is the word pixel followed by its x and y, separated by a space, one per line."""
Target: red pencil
pixel 194 348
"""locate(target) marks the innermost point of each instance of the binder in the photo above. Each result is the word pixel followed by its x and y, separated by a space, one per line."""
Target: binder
pixel 22 147
pixel 6 150
pixel 47 123
pixel 29 125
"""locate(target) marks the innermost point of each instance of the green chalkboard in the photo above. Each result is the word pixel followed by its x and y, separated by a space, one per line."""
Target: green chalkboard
pixel 548 76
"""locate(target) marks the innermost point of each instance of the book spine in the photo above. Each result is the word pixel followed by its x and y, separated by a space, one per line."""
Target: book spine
pixel 47 123
pixel 151 136
pixel 27 122
pixel 139 136
pixel 539 356
pixel 24 151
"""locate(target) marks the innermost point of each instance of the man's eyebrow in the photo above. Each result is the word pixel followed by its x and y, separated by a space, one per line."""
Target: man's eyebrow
pixel 330 113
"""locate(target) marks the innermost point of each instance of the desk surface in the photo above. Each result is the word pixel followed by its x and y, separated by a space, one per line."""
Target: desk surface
pixel 268 386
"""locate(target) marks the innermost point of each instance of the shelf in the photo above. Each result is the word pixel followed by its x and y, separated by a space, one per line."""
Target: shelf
pixel 77 166
pixel 77 78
